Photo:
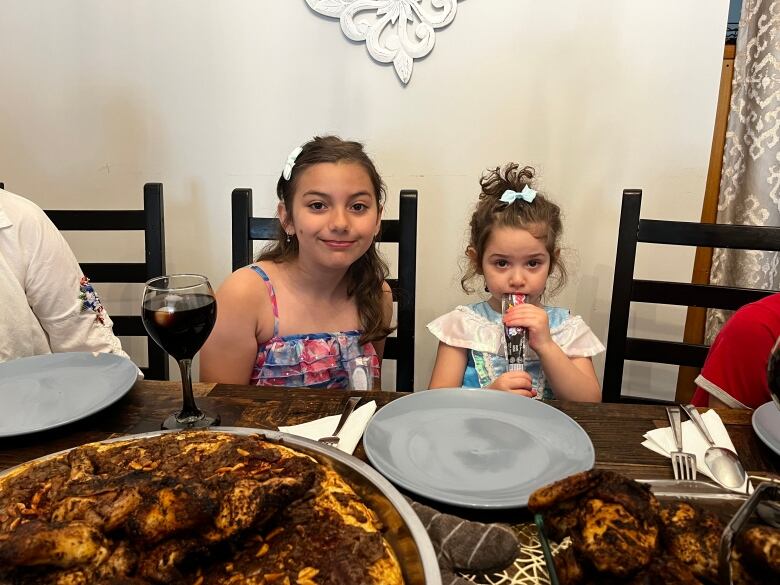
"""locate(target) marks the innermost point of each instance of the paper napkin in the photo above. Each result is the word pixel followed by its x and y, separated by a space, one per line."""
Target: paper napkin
pixel 662 441
pixel 350 434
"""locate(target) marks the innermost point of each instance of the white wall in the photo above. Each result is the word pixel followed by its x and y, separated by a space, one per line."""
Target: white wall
pixel 99 97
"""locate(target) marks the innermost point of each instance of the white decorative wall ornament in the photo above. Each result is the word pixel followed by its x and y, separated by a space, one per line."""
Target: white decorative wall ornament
pixel 395 31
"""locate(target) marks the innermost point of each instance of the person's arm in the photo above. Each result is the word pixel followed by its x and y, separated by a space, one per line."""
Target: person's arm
pixel 734 373
pixel 571 378
pixel 449 367
pixel 63 301
pixel 715 403
pixel 229 354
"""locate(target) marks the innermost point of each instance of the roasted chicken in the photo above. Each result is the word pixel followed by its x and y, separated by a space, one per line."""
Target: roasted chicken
pixel 191 507
pixel 620 533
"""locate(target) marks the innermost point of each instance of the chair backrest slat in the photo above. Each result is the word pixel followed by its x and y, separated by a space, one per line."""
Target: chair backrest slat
pixel 246 229
pixel 627 289
pixel 97 220
pixel 115 271
pixel 150 220
pixel 694 295
pixel 709 235
pixel 665 352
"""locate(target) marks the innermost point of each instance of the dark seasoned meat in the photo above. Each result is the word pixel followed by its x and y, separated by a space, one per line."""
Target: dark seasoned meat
pixel 613 540
pixel 191 507
pixel 568 568
pixel 566 489
pixel 38 543
pixel 693 536
pixel 761 547
pixel 561 520
pixel 171 510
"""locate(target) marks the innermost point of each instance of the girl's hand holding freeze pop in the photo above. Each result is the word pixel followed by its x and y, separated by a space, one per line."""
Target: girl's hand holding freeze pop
pixel 535 320
pixel 517 382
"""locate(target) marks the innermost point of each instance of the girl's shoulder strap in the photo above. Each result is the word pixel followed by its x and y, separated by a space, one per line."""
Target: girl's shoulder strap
pixel 271 294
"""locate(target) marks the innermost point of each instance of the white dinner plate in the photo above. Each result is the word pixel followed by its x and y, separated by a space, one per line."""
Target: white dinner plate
pixel 475 448
pixel 766 423
pixel 47 391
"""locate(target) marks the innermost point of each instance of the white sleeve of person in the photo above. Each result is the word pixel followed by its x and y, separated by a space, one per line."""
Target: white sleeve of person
pixel 576 339
pixel 62 299
pixel 464 328
pixel 463 545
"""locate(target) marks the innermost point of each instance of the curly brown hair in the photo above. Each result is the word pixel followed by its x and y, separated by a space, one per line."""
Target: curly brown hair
pixel 367 274
pixel 542 218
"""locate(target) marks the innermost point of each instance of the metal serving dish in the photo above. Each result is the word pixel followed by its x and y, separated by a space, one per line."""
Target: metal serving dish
pixel 732 508
pixel 403 529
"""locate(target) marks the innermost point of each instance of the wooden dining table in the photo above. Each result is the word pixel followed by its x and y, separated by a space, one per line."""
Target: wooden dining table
pixel 615 429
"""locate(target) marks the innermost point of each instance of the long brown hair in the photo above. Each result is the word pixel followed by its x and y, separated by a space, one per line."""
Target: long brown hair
pixel 542 218
pixel 367 274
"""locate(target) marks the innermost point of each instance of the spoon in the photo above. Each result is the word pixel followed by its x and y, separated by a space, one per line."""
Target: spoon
pixel 724 464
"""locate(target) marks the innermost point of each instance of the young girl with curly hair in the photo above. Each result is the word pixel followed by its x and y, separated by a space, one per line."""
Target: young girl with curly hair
pixel 514 245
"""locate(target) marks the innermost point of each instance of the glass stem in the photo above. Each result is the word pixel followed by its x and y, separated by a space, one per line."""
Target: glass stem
pixel 189 409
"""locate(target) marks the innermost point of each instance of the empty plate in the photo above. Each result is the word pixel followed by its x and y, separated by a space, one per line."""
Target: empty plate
pixel 47 391
pixel 475 448
pixel 766 423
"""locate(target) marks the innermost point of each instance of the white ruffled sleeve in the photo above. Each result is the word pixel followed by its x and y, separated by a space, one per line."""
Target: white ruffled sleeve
pixel 462 327
pixel 576 339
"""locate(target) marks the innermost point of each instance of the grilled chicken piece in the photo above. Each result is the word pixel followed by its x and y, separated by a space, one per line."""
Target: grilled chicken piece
pixel 246 503
pixel 37 543
pixel 761 547
pixel 81 466
pixel 565 489
pixel 170 510
pixel 107 510
pixel 692 536
pixel 613 540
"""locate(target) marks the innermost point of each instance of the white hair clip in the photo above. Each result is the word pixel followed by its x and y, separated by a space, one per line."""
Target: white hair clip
pixel 288 166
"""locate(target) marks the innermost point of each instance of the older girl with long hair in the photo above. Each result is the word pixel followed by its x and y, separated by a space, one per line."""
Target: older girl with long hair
pixel 315 303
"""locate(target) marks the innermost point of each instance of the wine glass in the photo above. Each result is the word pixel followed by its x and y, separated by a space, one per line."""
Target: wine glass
pixel 179 312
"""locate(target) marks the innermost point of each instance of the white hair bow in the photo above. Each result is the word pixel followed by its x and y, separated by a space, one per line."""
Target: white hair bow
pixel 288 166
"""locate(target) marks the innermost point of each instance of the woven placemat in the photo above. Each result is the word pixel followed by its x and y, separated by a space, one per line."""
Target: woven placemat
pixel 529 567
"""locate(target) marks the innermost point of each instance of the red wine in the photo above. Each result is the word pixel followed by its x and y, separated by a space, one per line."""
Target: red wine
pixel 180 324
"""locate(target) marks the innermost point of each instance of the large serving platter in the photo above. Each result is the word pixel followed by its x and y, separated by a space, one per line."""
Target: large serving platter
pixel 403 529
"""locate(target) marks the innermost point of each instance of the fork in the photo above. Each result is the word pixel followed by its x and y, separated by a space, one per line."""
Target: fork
pixel 683 464
pixel 334 439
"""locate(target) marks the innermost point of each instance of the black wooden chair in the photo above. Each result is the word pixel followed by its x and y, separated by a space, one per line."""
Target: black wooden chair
pixel 247 229
pixel 150 220
pixel 626 289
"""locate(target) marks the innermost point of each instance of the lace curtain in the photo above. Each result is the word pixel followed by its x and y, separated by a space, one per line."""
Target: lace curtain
pixel 750 180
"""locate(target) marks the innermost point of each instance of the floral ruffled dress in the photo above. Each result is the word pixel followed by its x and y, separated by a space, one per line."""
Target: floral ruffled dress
pixel 311 360
pixel 479 329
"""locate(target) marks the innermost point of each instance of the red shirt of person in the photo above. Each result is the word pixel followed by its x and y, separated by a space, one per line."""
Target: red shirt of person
pixel 734 373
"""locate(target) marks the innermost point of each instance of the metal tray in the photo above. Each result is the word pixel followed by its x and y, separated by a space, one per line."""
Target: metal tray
pixel 403 529
pixel 724 504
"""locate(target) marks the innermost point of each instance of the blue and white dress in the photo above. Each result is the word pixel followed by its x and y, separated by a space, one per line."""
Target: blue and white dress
pixel 480 329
